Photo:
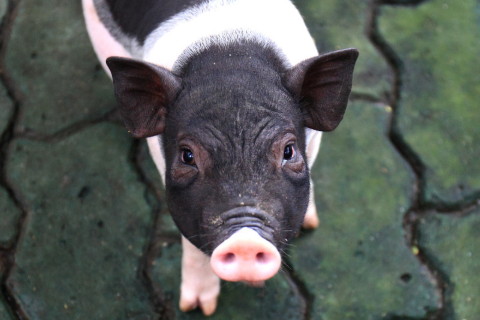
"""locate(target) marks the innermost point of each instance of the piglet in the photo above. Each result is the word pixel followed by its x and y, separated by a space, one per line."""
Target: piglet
pixel 232 97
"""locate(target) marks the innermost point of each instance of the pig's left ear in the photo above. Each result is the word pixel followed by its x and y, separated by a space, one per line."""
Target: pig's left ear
pixel 323 84
pixel 144 92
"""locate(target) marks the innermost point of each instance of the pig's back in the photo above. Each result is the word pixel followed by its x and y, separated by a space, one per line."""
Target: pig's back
pixel 160 31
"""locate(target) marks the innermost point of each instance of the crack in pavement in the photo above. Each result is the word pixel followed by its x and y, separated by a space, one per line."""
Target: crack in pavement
pixel 300 288
pixel 70 130
pixel 8 254
pixel 419 206
pixel 157 297
pixel 408 154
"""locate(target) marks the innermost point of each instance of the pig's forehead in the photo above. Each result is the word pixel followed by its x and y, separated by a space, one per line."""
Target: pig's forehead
pixel 219 132
pixel 235 104
pixel 236 111
pixel 248 117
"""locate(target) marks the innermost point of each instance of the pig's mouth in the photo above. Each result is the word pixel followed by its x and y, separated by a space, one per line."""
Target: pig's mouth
pixel 249 217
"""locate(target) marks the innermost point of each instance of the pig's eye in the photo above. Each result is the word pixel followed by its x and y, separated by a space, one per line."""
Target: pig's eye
pixel 188 157
pixel 289 152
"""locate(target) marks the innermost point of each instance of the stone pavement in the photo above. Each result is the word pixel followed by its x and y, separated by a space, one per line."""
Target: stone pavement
pixel 84 232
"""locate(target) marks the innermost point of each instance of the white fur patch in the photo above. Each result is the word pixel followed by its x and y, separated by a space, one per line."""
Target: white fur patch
pixel 313 139
pixel 158 156
pixel 274 23
pixel 103 43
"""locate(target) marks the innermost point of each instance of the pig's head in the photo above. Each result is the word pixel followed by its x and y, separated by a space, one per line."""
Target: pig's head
pixel 233 132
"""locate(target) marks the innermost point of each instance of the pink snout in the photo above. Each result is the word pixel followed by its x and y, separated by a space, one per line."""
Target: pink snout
pixel 245 256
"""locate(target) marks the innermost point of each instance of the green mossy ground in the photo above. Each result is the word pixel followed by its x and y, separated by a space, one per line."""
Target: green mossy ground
pixel 91 194
pixel 439 45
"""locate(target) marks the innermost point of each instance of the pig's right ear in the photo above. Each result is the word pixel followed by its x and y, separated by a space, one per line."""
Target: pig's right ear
pixel 144 92
pixel 323 85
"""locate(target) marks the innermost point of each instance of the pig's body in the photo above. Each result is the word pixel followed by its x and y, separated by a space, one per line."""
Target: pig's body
pixel 226 77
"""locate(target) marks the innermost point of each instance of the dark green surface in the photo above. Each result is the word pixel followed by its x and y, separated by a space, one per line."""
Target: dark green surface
pixel 3 9
pixel 3 311
pixel 355 261
pixel 340 24
pixel 88 224
pixel 439 43
pixel 9 214
pixel 7 109
pixel 51 61
pixel 91 193
pixel 453 243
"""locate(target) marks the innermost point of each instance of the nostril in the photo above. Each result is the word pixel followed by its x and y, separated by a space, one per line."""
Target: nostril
pixel 261 257
pixel 228 257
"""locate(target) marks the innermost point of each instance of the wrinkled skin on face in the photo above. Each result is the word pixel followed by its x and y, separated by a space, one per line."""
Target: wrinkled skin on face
pixel 233 123
pixel 236 154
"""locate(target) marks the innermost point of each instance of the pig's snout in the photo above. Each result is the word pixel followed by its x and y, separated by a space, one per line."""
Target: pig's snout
pixel 245 256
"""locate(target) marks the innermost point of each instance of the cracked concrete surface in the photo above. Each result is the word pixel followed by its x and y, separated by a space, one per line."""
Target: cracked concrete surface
pixel 85 232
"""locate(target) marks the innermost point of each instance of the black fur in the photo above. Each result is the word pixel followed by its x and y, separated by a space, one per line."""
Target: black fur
pixel 138 18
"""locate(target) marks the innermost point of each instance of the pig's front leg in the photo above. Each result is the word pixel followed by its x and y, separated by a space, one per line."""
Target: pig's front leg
pixel 200 286
pixel 314 138
pixel 311 220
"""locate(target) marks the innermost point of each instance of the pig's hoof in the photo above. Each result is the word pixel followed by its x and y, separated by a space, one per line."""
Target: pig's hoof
pixel 198 295
pixel 311 220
